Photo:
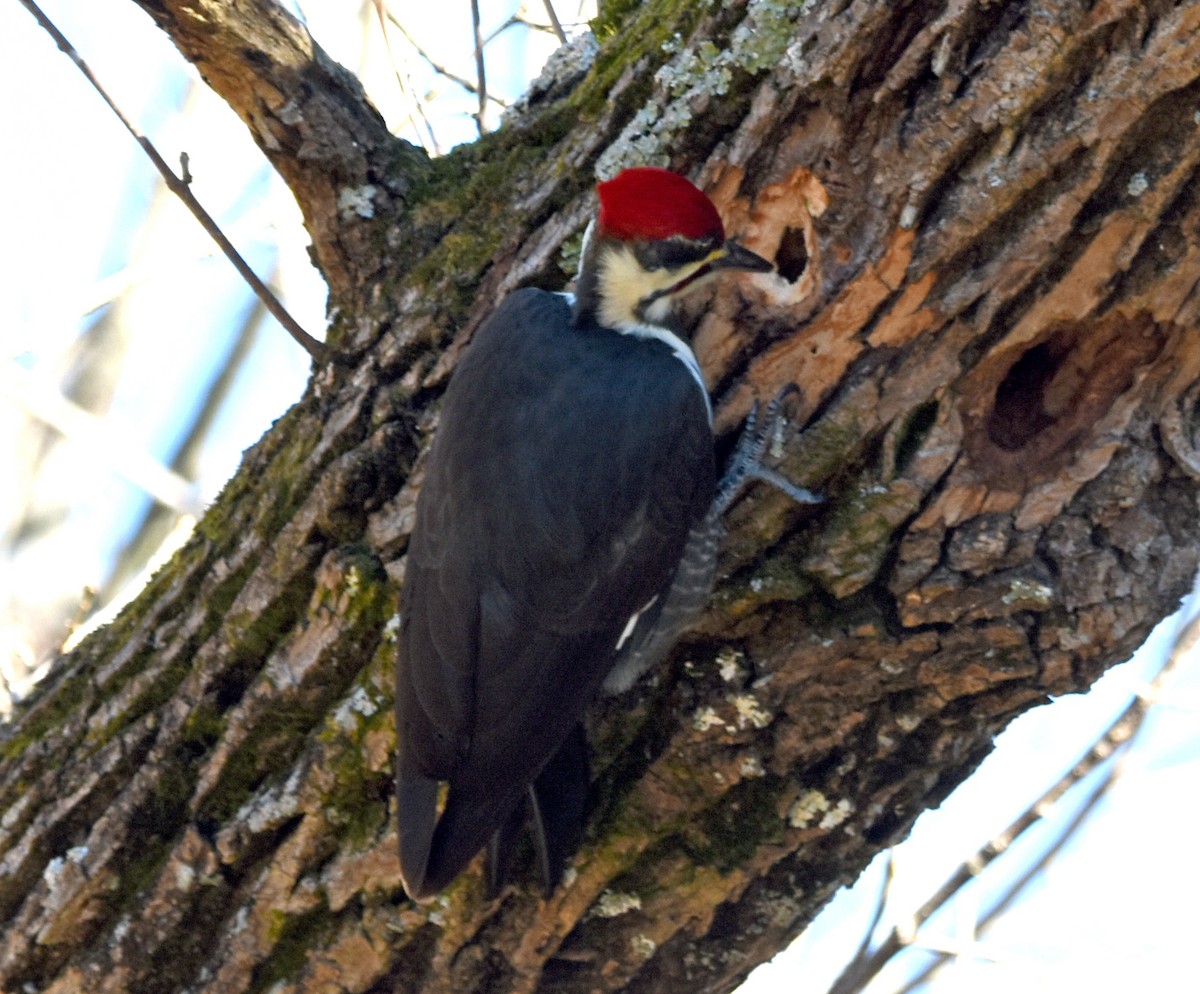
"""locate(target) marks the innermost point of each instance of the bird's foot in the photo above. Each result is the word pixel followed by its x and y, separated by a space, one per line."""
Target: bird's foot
pixel 760 435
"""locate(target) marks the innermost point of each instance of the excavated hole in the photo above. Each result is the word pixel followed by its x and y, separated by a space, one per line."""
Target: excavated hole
pixel 1019 413
pixel 1036 413
pixel 792 258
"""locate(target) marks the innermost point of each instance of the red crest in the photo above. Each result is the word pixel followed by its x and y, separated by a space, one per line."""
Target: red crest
pixel 649 204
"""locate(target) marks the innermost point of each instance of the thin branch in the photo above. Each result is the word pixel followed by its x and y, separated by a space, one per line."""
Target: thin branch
pixel 108 289
pixel 1185 641
pixel 554 23
pixel 889 877
pixel 516 21
pixel 179 187
pixel 437 67
pixel 513 22
pixel 417 106
pixel 1015 889
pixel 480 72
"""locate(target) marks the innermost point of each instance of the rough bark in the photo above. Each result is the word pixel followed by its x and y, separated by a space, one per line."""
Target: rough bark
pixel 985 217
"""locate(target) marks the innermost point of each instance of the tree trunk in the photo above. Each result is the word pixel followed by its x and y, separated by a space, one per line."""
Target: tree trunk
pixel 986 231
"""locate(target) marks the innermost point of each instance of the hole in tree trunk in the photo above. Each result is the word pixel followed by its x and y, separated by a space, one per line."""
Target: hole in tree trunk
pixel 1019 413
pixel 1030 415
pixel 792 258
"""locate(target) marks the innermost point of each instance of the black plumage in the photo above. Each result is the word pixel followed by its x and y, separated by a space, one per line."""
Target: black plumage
pixel 571 464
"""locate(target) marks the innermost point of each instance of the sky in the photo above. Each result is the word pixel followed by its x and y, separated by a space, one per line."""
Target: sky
pixel 83 214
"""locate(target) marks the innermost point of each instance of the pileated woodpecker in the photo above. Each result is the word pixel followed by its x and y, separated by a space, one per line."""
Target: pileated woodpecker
pixel 564 536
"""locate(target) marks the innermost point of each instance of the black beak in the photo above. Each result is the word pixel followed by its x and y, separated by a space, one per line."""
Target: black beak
pixel 734 256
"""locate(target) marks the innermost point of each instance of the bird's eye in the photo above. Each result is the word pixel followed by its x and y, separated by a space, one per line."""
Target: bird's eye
pixel 673 253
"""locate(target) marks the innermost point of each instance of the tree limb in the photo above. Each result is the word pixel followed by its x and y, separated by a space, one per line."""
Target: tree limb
pixel 987 292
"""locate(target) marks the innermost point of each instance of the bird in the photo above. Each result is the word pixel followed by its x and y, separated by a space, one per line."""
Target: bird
pixel 565 534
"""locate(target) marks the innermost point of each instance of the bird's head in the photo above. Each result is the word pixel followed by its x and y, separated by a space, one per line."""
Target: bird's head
pixel 656 236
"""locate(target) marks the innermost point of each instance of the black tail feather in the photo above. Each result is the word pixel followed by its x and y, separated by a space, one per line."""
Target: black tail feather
pixel 431 856
pixel 416 802
pixel 558 799
pixel 555 803
pixel 501 848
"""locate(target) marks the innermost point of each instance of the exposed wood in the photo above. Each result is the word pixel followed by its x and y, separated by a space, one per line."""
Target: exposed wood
pixel 986 223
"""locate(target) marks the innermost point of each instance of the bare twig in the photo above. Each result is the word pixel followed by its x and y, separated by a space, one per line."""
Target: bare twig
pixel 554 23
pixel 889 877
pixel 437 67
pixel 416 105
pixel 180 188
pixel 484 95
pixel 1014 890
pixel 480 72
pixel 516 21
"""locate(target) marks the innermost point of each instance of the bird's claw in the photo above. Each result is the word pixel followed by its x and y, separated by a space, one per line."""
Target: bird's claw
pixel 756 440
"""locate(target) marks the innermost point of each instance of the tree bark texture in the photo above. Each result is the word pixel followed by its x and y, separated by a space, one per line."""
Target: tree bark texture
pixel 985 218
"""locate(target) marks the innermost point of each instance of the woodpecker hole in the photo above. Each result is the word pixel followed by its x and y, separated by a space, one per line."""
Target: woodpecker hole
pixel 1039 410
pixel 1019 413
pixel 792 258
pixel 916 429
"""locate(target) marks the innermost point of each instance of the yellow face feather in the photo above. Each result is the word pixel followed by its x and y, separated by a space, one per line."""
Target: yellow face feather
pixel 631 295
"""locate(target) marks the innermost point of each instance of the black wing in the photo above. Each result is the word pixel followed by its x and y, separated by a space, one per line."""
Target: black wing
pixel 568 469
